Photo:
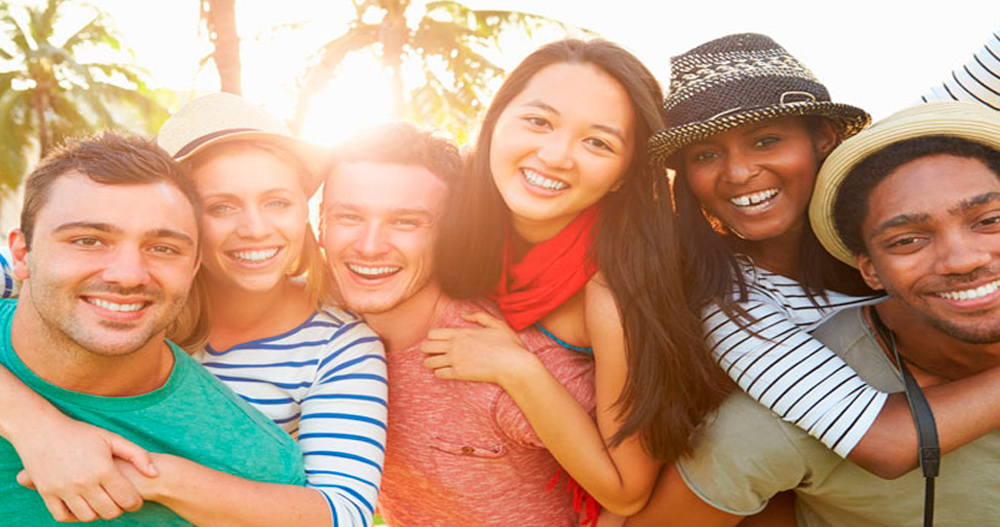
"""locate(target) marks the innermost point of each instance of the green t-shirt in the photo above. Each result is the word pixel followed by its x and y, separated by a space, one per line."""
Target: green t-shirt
pixel 749 454
pixel 192 415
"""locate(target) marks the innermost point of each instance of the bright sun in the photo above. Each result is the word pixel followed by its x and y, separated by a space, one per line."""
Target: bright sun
pixel 357 98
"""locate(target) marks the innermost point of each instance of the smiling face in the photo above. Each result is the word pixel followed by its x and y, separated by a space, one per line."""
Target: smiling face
pixel 560 145
pixel 255 218
pixel 380 224
pixel 111 271
pixel 758 178
pixel 932 233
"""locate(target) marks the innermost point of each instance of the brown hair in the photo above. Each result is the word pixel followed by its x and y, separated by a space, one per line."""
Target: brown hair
pixel 402 143
pixel 108 158
pixel 194 323
pixel 672 382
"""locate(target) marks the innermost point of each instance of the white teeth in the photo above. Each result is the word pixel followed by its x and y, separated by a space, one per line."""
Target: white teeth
pixel 750 200
pixel 112 306
pixel 373 271
pixel 972 294
pixel 539 180
pixel 255 256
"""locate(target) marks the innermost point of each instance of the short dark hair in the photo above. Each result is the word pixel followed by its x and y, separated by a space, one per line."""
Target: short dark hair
pixel 851 205
pixel 108 158
pixel 402 143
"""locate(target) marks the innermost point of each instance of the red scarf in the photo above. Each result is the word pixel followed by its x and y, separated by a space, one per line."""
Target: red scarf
pixel 549 274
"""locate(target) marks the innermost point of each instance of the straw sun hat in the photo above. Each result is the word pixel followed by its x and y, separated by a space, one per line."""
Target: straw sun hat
pixel 223 117
pixel 954 119
pixel 737 80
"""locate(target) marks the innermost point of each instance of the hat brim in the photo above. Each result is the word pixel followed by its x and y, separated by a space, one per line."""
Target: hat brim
pixel 847 119
pixel 315 159
pixel 954 119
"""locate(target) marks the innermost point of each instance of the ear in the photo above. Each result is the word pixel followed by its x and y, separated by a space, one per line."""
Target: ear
pixel 824 137
pixel 868 272
pixel 19 254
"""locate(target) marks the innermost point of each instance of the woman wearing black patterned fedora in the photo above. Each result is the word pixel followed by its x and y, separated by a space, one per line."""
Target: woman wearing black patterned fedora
pixel 262 319
pixel 749 127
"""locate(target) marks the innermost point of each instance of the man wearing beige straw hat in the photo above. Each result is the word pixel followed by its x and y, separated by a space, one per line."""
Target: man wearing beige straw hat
pixel 914 203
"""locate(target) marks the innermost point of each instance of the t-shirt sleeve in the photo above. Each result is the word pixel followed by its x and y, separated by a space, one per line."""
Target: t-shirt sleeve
pixel 778 363
pixel 343 425
pixel 11 285
pixel 573 370
pixel 746 455
pixel 976 81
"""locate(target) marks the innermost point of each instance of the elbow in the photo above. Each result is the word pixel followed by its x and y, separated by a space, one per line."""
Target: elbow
pixel 890 465
pixel 626 506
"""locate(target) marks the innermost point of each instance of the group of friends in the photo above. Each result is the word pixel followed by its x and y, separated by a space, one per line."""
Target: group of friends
pixel 618 308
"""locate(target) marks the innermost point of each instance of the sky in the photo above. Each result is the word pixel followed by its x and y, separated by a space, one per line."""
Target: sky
pixel 880 55
pixel 877 54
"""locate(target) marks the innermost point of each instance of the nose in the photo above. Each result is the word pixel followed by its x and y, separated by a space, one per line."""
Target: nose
pixel 556 151
pixel 253 224
pixel 371 240
pixel 739 168
pixel 961 253
pixel 126 267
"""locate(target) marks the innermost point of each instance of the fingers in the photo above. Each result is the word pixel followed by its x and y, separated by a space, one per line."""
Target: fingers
pixel 133 453
pixel 431 347
pixel 445 373
pixel 100 503
pixel 123 494
pixel 486 320
pixel 436 362
pixel 24 480
pixel 58 510
pixel 80 510
pixel 442 333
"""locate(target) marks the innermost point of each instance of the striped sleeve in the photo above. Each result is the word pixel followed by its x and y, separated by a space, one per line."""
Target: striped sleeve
pixel 976 81
pixel 778 363
pixel 11 285
pixel 343 425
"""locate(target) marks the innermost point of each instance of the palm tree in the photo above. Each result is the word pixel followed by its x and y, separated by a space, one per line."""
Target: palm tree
pixel 448 41
pixel 220 20
pixel 48 95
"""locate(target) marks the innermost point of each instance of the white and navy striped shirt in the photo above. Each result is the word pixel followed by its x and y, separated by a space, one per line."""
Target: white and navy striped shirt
pixel 976 81
pixel 775 360
pixel 323 382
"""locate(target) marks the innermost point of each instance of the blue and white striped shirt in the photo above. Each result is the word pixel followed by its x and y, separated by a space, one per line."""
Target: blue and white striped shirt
pixel 323 382
pixel 976 81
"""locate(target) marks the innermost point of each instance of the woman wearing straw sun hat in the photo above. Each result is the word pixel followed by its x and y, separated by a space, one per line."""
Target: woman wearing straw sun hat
pixel 749 127
pixel 259 318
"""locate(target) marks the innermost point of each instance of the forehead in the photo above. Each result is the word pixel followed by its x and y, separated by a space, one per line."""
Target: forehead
pixel 933 185
pixel 384 186
pixel 146 207
pixel 786 124
pixel 578 89
pixel 247 169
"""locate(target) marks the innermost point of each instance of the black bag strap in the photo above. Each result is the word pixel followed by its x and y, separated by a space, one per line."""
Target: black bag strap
pixel 923 418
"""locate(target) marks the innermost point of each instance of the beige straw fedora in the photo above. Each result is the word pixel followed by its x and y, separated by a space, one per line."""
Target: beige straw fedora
pixel 222 117
pixel 953 119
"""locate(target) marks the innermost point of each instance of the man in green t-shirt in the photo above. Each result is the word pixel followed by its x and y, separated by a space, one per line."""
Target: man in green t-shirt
pixel 107 250
pixel 914 204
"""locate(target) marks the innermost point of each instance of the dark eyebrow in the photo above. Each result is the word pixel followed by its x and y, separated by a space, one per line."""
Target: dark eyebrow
pixel 114 229
pixel 602 127
pixel 900 220
pixel 974 202
pixel 543 105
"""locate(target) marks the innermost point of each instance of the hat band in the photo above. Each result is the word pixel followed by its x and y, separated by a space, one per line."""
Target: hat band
pixel 188 148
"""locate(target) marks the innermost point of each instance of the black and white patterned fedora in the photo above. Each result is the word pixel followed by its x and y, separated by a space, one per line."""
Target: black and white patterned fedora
pixel 737 80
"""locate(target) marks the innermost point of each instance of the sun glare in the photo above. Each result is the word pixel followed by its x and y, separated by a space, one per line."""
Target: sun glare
pixel 358 97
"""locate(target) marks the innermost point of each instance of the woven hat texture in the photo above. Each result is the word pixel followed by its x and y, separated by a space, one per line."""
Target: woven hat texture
pixel 947 118
pixel 222 117
pixel 737 80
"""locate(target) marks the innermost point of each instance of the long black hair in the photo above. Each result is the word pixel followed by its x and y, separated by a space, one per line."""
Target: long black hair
pixel 672 382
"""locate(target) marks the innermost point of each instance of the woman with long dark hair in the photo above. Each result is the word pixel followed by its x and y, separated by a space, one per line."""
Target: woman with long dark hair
pixel 564 222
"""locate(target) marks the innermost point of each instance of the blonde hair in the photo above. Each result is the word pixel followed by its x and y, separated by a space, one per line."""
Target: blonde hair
pixel 191 328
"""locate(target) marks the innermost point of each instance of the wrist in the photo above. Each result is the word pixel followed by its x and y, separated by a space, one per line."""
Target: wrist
pixel 523 368
pixel 158 488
